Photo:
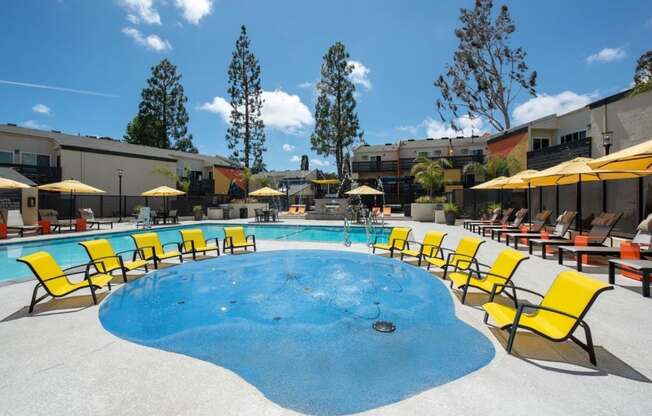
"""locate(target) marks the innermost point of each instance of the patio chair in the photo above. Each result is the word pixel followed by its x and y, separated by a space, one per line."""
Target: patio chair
pixel 292 210
pixel 274 215
pixel 52 216
pixel 235 238
pixel 106 260
pixel 643 238
pixel 89 216
pixel 301 210
pixel 375 211
pixel 500 272
pixel 601 228
pixel 429 247
pixel 504 220
pixel 144 218
pixel 514 225
pixel 561 311
pixel 173 216
pixel 397 241
pixel 258 213
pixel 536 226
pixel 13 219
pixel 193 241
pixel 460 259
pixel 55 280
pixel 387 211
pixel 562 224
pixel 150 248
pixel 494 218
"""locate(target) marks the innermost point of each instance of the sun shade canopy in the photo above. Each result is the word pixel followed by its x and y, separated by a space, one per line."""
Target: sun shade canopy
pixel 266 191
pixel 516 181
pixel 326 181
pixel 491 184
pixel 163 191
pixel 364 190
pixel 638 157
pixel 70 186
pixel 12 184
pixel 579 170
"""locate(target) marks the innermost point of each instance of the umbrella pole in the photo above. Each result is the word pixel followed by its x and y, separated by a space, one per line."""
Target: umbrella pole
pixel 529 204
pixel 72 208
pixel 579 204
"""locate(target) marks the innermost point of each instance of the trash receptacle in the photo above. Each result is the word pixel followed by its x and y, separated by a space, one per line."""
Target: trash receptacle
pixel 244 212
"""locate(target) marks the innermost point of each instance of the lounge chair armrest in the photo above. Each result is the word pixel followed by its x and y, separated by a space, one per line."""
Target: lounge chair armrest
pixel 524 306
pixel 522 289
pixel 141 251
pixel 178 245
pixel 183 244
pixel 480 272
pixel 98 265
pixel 229 240
pixel 404 243
pixel 126 251
pixel 216 239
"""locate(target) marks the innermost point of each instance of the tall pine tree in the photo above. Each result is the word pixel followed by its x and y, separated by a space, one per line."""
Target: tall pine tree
pixel 336 121
pixel 246 135
pixel 162 119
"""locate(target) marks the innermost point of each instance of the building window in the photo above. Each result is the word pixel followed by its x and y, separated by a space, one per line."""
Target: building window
pixel 540 143
pixel 34 159
pixel 422 154
pixel 477 152
pixel 572 137
pixel 437 152
pixel 6 157
pixel 465 151
pixel 365 157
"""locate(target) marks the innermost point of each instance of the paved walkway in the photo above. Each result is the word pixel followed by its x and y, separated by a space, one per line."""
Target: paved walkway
pixel 61 361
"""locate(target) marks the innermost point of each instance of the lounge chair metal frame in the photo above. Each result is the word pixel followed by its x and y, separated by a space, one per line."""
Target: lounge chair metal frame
pixel 480 274
pixel 471 259
pixel 535 227
pixel 194 250
pixel 405 243
pixel 154 256
pixel 516 223
pixel 434 248
pixel 231 247
pixel 504 219
pixel 558 233
pixel 122 267
pixel 521 309
pixel 41 283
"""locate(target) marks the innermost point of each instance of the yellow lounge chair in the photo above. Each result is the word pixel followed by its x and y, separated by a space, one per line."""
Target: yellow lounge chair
pixel 561 311
pixel 432 241
pixel 500 272
pixel 460 259
pixel 235 238
pixel 150 248
pixel 55 280
pixel 193 241
pixel 106 260
pixel 397 241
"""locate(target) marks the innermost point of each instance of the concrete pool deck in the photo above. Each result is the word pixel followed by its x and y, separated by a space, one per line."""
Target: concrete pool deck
pixel 61 361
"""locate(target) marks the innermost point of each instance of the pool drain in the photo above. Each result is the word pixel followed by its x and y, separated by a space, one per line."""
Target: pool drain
pixel 384 326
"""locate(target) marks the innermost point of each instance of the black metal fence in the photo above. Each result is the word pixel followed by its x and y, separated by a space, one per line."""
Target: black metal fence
pixel 127 205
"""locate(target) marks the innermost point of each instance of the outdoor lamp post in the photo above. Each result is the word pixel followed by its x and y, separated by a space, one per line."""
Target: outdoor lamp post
pixel 606 141
pixel 120 173
pixel 285 189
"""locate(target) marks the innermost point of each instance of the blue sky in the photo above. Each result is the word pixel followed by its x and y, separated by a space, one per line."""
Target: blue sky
pixel 582 50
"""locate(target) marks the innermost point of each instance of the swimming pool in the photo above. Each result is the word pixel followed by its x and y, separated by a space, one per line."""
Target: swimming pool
pixel 297 325
pixel 68 252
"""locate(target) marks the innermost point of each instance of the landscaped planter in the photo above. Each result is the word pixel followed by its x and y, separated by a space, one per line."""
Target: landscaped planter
pixel 423 212
pixel 450 218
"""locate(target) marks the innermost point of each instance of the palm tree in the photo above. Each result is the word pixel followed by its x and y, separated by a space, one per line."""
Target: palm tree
pixel 477 169
pixel 430 173
pixel 494 167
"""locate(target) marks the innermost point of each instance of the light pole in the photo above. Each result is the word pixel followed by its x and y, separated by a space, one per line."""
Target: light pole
pixel 607 137
pixel 120 173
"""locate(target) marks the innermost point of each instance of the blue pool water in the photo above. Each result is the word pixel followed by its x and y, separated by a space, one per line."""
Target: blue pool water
pixel 297 325
pixel 68 252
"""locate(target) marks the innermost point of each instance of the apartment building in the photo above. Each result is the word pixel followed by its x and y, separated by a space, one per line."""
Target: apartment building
pixel 609 124
pixel 389 165
pixel 50 156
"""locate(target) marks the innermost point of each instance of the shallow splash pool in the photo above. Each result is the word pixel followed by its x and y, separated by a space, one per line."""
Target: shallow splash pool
pixel 297 325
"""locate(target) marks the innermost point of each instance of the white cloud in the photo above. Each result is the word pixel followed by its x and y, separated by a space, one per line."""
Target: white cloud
pixel 288 147
pixel 141 11
pixel 437 129
pixel 33 124
pixel 152 42
pixel 295 158
pixel 320 163
pixel 607 55
pixel 194 10
pixel 544 104
pixel 305 85
pixel 41 109
pixel 360 74
pixel 281 111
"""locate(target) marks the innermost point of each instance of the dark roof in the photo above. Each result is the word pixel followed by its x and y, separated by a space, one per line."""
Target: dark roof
pixel 610 99
pixel 9 173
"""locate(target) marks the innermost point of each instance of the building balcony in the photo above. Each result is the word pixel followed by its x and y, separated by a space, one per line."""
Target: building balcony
pixel 554 155
pixel 39 174
pixel 457 162
pixel 201 187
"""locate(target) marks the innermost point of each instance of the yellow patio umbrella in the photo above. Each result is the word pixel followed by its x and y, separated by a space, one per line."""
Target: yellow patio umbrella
pixel 365 190
pixel 577 171
pixel 163 191
pixel 70 186
pixel 516 182
pixel 491 184
pixel 266 191
pixel 12 184
pixel 637 157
